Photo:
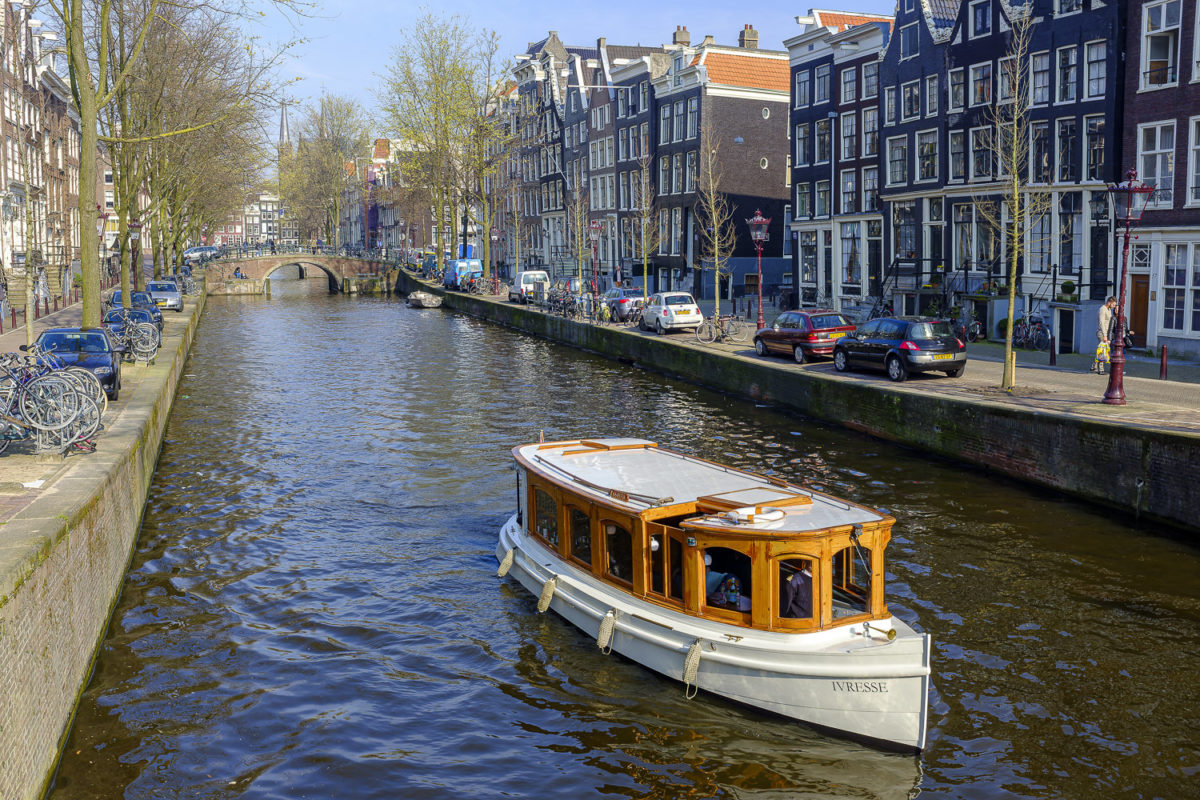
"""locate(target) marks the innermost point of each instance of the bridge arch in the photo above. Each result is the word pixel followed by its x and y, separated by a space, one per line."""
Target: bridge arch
pixel 335 280
pixel 336 268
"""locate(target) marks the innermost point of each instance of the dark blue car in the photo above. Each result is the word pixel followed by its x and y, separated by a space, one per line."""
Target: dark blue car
pixel 90 349
pixel 141 300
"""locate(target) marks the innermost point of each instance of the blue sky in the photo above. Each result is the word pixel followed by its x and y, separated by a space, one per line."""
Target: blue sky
pixel 354 38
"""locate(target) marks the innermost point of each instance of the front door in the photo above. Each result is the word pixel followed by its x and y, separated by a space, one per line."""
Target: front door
pixel 1139 308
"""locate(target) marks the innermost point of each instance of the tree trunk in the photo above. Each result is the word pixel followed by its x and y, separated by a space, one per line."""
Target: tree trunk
pixel 89 257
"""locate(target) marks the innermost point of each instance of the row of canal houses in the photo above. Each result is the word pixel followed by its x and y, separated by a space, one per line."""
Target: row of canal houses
pixel 865 142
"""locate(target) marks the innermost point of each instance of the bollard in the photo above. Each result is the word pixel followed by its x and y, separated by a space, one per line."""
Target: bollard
pixel 1162 363
pixel 14 319
pixel 46 304
pixel 56 303
pixel 1053 352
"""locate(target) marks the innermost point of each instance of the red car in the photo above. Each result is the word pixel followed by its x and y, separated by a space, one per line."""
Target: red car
pixel 803 334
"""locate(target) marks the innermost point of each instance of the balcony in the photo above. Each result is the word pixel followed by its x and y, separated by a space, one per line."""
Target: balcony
pixel 1161 73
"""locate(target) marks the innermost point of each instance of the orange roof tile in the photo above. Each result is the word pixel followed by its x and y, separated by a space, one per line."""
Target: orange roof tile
pixel 749 71
pixel 841 21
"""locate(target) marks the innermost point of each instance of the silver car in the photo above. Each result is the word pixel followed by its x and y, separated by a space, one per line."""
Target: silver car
pixel 165 294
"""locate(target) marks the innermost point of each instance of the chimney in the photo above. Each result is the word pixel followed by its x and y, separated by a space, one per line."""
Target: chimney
pixel 748 38
pixel 681 36
pixel 708 40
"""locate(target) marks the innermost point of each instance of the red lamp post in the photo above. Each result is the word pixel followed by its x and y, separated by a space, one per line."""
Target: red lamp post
pixel 1129 199
pixel 758 234
pixel 495 243
pixel 135 236
pixel 594 235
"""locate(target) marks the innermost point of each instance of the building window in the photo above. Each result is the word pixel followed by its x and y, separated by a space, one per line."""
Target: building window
pixel 908 41
pixel 852 254
pixel 1156 157
pixel 849 84
pixel 849 123
pixel 1097 56
pixel 889 106
pixel 958 155
pixel 690 180
pixel 1005 77
pixel 823 141
pixel 803 86
pixel 870 80
pixel 808 257
pixel 821 92
pixel 693 117
pixel 910 94
pixel 1193 197
pixel 664 125
pixel 1040 82
pixel 870 133
pixel 870 188
pixel 1068 78
pixel 664 174
pixel 1095 148
pixel 931 95
pixel 848 202
pixel 1160 43
pixel 1070 233
pixel 958 89
pixel 1039 243
pixel 981 18
pixel 981 84
pixel 802 144
pixel 897 160
pixel 803 199
pixel 679 123
pixel 1068 151
pixel 676 229
pixel 904 229
pixel 822 198
pixel 981 153
pixel 927 155
pixel 1174 285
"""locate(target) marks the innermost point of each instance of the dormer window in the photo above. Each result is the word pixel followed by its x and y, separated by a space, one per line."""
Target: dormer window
pixel 981 18
pixel 908 41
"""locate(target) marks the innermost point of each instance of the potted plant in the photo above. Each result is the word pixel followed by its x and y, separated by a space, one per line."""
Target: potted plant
pixel 1068 292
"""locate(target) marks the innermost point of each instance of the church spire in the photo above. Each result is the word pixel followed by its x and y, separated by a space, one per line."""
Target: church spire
pixel 285 133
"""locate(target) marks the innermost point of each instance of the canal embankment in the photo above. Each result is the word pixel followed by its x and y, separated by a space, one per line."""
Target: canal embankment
pixel 1143 458
pixel 67 531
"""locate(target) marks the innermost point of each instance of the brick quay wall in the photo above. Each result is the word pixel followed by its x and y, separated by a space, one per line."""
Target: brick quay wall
pixel 62 564
pixel 1067 452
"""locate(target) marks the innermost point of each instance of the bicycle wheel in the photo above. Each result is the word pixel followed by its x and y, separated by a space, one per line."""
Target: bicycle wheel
pixel 706 332
pixel 49 402
pixel 736 330
pixel 1041 339
pixel 91 386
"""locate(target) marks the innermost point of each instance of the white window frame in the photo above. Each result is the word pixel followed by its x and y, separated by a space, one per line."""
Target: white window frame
pixel 1088 47
pixel 828 199
pixel 971 156
pixel 889 105
pixel 851 95
pixel 950 106
pixel 971 32
pixel 1059 85
pixel 931 96
pixel 1032 78
pixel 862 132
pixel 916 36
pixel 1144 84
pixel 1193 191
pixel 971 84
pixel 1156 200
pixel 915 86
pixel 888 160
pixel 802 154
pixel 917 156
pixel 851 152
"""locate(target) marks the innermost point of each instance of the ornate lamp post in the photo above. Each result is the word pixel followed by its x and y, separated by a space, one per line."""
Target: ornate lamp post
pixel 758 234
pixel 594 235
pixel 495 278
pixel 1129 199
pixel 135 241
pixel 101 222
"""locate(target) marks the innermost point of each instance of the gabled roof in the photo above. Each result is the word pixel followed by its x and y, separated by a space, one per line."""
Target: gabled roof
pixel 940 15
pixel 630 52
pixel 752 72
pixel 844 20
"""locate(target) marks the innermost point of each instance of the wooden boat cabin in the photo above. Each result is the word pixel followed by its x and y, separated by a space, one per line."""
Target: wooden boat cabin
pixel 705 539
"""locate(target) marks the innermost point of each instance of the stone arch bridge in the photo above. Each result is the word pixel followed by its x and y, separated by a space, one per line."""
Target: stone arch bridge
pixel 345 274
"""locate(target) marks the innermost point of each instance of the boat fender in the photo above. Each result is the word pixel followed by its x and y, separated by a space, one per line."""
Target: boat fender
pixel 547 593
pixel 748 515
pixel 608 626
pixel 505 564
pixel 691 667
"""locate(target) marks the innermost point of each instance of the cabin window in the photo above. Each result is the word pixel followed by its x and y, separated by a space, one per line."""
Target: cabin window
pixel 851 582
pixel 726 579
pixel 657 546
pixel 795 588
pixel 675 565
pixel 618 546
pixel 666 565
pixel 581 535
pixel 545 517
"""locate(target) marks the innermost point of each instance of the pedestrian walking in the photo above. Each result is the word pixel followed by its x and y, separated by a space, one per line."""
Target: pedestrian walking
pixel 1106 323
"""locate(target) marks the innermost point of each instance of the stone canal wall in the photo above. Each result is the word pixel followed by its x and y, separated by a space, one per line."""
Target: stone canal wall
pixel 62 563
pixel 1066 452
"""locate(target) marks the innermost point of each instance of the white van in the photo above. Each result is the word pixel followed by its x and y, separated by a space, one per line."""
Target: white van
pixel 529 283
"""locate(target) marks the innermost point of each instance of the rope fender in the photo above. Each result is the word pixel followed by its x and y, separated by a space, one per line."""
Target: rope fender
pixel 691 666
pixel 505 564
pixel 608 626
pixel 547 593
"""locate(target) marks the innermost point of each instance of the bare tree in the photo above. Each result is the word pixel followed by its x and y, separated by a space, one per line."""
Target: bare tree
pixel 646 235
pixel 718 233
pixel 579 209
pixel 1014 214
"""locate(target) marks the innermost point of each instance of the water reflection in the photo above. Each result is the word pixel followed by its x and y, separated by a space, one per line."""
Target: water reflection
pixel 312 608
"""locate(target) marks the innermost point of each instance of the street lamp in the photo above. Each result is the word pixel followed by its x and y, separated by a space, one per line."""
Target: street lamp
pixel 758 234
pixel 135 235
pixel 495 279
pixel 101 222
pixel 594 235
pixel 1129 200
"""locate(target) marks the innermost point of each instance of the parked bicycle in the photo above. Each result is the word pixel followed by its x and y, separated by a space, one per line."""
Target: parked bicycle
pixel 725 328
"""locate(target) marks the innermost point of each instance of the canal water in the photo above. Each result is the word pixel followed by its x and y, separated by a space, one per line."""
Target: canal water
pixel 312 609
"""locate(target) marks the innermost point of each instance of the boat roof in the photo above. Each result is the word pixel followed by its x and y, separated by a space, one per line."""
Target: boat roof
pixel 639 475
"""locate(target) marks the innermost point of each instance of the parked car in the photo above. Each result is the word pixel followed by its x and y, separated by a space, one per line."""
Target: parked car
pixel 900 345
pixel 666 311
pixel 528 284
pixel 198 255
pixel 165 294
pixel 139 300
pixel 803 334
pixel 621 300
pixel 90 349
pixel 462 271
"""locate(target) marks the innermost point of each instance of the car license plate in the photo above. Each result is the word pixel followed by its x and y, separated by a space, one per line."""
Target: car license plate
pixel 160 302
pixel 837 335
pixel 944 357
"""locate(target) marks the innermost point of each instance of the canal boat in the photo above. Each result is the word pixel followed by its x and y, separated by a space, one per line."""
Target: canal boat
pixel 420 299
pixel 741 585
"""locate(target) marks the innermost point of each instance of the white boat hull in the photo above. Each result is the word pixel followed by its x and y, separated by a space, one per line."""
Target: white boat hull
pixel 424 300
pixel 840 679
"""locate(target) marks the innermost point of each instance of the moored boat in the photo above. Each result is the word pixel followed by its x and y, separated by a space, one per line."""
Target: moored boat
pixel 420 299
pixel 748 587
